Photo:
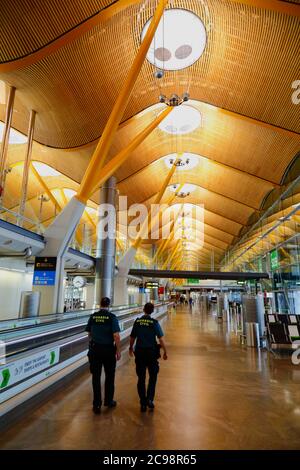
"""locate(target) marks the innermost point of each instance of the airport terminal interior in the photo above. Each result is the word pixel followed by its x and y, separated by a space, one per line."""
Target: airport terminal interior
pixel 150 152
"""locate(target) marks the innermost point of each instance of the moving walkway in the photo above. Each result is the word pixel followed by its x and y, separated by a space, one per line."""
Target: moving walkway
pixel 40 354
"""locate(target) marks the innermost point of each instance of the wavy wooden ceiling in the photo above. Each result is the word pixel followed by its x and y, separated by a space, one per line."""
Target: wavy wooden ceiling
pixel 45 20
pixel 251 59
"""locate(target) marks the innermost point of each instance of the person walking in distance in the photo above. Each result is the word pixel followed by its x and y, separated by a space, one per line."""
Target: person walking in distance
pixel 147 352
pixel 104 350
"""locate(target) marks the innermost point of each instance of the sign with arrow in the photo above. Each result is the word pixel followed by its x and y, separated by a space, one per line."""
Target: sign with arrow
pixel 24 368
pixel 5 378
pixel 44 271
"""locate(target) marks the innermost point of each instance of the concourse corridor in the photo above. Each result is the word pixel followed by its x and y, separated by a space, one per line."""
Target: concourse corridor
pixel 212 394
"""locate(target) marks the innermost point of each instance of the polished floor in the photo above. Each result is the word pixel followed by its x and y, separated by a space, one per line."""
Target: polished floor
pixel 212 394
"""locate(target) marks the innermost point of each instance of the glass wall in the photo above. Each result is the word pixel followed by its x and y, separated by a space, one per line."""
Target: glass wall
pixel 273 246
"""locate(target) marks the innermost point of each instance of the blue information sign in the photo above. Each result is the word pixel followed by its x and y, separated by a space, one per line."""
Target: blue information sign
pixel 44 271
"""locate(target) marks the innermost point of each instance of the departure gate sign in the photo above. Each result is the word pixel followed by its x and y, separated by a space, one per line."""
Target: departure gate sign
pixel 44 271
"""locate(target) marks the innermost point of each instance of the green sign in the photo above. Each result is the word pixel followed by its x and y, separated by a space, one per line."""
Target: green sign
pixel 260 265
pixel 52 357
pixel 5 378
pixel 28 366
pixel 193 281
pixel 274 261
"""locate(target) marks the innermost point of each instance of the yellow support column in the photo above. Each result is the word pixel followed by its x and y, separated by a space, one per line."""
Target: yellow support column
pixel 45 187
pixel 157 200
pixel 111 167
pixel 166 242
pixel 168 203
pixel 171 255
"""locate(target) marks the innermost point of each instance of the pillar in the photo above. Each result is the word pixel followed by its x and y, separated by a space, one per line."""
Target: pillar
pixel 26 167
pixel 106 247
pixel 120 280
pixel 58 237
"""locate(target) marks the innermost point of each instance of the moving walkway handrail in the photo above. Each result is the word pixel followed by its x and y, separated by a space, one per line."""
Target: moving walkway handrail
pixel 55 318
pixel 34 336
pixel 13 323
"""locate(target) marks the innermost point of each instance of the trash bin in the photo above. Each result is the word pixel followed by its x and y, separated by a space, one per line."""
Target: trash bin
pixel 252 335
pixel 29 304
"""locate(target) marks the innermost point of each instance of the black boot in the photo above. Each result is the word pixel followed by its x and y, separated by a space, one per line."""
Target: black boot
pixel 150 405
pixel 96 409
pixel 110 404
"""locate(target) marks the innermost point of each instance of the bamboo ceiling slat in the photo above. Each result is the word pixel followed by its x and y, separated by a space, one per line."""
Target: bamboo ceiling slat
pixel 251 59
pixel 226 139
pixel 30 24
pixel 212 178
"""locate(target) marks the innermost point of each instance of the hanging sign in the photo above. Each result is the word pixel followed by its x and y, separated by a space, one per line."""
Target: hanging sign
pixel 274 261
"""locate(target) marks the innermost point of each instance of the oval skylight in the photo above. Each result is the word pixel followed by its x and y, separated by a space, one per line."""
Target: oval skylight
pixel 179 41
pixel 15 137
pixel 183 119
pixel 186 188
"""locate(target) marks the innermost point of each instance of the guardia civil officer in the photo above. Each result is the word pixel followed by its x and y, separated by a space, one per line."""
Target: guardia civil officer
pixel 104 350
pixel 145 331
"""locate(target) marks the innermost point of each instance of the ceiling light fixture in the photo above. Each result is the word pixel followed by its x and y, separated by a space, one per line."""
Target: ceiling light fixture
pixel 179 41
pixel 174 99
pixel 185 161
pixel 185 191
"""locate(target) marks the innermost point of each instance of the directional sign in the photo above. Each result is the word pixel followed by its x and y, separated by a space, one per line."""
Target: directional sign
pixel 27 366
pixel 274 259
pixel 44 271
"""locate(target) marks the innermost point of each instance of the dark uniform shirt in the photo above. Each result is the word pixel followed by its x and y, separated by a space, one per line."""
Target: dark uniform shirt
pixel 145 330
pixel 102 325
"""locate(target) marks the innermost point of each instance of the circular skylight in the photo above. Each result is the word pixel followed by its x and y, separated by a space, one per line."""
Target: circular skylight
pixel 187 161
pixel 182 119
pixel 179 41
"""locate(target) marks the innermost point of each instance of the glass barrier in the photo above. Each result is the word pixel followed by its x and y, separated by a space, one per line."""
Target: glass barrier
pixel 272 242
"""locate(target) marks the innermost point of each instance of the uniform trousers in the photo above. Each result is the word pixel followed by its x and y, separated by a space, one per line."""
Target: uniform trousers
pixel 102 356
pixel 146 359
